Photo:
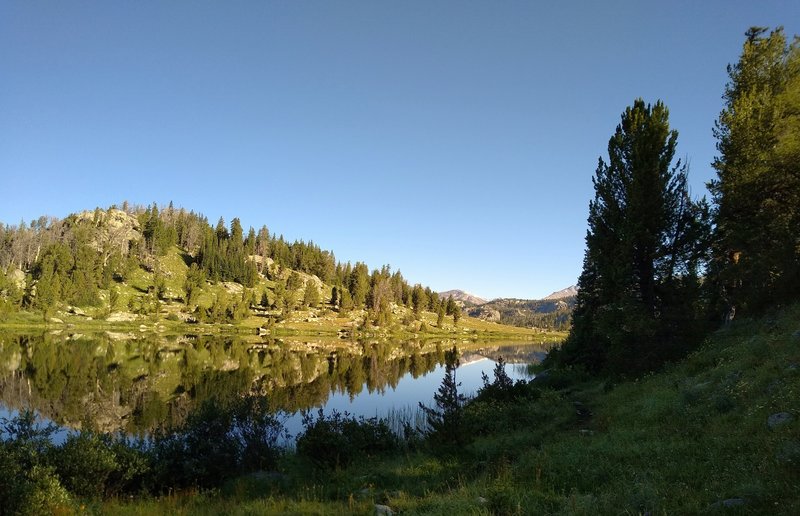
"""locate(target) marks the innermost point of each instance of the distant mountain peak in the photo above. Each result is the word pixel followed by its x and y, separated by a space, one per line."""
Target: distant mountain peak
pixel 561 294
pixel 464 297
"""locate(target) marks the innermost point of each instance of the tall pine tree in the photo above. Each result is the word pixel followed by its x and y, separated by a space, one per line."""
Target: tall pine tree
pixel 637 303
pixel 757 191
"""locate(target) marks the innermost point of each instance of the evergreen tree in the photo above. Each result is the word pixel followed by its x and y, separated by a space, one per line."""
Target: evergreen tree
pixel 294 282
pixel 433 299
pixel 159 282
pixel 237 233
pixel 345 302
pixel 419 299
pixel 637 302
pixel 440 315
pixel 311 295
pixel 250 242
pixel 451 306
pixel 221 231
pixel 195 279
pixel 757 191
pixel 334 297
pixel 445 420
pixel 279 292
pixel 456 314
pixel 358 284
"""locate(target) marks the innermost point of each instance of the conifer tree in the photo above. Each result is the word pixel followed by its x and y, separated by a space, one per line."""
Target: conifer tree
pixel 334 297
pixel 419 299
pixel 221 231
pixel 250 242
pixel 456 314
pixel 311 295
pixel 345 302
pixel 637 302
pixel 195 278
pixel 451 306
pixel 358 284
pixel 757 191
pixel 445 420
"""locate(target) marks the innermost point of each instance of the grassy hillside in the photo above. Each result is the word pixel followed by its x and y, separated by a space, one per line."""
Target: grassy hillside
pixel 715 433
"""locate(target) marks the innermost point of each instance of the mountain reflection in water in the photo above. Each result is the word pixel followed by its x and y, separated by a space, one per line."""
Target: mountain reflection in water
pixel 131 383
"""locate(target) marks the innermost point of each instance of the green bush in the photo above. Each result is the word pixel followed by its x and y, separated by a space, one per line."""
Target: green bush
pixel 217 442
pixel 502 387
pixel 259 433
pixel 43 494
pixel 339 439
pixel 28 484
pixel 202 452
pixel 133 474
pixel 83 463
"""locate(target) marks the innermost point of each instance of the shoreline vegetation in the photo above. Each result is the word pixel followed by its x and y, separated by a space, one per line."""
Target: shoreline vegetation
pixel 304 325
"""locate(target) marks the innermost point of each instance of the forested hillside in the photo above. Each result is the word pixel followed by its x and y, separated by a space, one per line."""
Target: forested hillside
pixel 132 261
pixel 527 313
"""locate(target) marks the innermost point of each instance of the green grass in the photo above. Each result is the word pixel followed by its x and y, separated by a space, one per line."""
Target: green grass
pixel 676 442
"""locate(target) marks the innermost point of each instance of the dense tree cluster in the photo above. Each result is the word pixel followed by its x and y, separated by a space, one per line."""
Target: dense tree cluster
pixel 649 281
pixel 223 255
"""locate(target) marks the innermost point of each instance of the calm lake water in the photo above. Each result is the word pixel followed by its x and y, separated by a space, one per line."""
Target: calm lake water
pixel 132 383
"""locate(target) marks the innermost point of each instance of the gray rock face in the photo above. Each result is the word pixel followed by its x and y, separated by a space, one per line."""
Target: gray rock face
pixel 731 502
pixel 383 510
pixel 116 229
pixel 487 314
pixel 75 310
pixel 17 277
pixel 779 419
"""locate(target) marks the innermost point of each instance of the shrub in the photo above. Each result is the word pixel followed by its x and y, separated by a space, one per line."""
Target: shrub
pixel 259 433
pixel 201 452
pixel 502 388
pixel 337 440
pixel 83 463
pixel 217 442
pixel 28 485
pixel 134 466
pixel 43 493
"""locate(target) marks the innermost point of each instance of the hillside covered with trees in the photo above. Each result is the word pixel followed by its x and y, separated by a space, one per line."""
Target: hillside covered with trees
pixel 553 314
pixel 133 263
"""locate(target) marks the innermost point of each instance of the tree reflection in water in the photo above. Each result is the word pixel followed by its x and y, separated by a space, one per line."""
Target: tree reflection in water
pixel 136 383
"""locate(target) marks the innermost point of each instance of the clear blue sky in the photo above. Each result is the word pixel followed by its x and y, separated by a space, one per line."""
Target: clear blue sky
pixel 455 141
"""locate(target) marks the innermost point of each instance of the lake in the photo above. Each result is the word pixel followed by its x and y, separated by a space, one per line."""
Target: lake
pixel 134 383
